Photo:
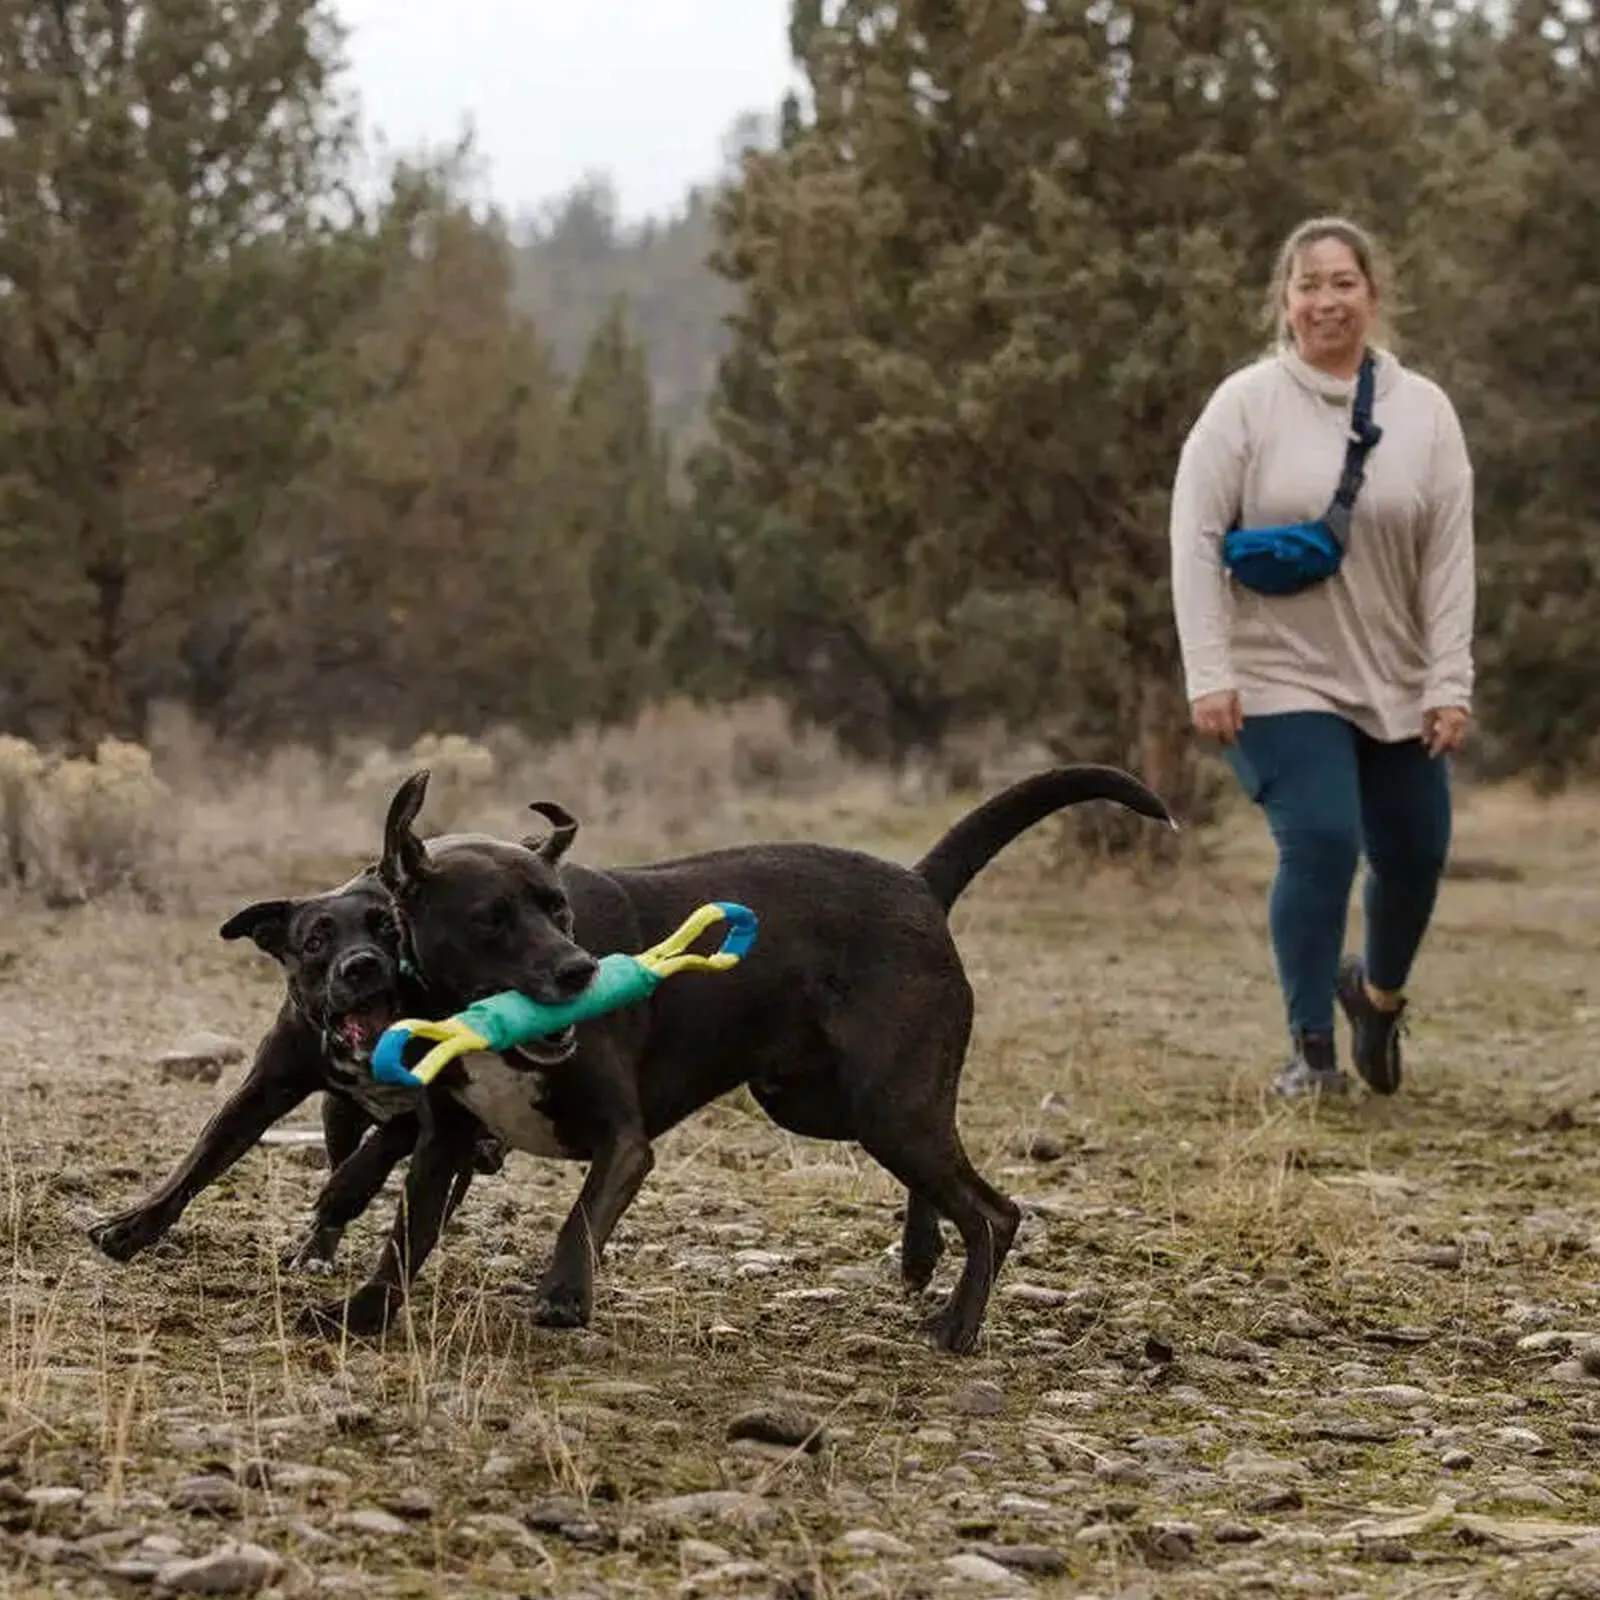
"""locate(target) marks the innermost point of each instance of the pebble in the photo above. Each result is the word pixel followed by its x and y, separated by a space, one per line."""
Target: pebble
pixel 979 1399
pixel 415 1503
pixel 781 1425
pixel 368 1519
pixel 232 1568
pixel 1036 1558
pixel 209 1494
pixel 199 1058
pixel 1521 1439
pixel 873 1542
pixel 53 1497
pixel 720 1505
pixel 1403 1396
pixel 979 1569
pixel 1456 1460
pixel 1034 1294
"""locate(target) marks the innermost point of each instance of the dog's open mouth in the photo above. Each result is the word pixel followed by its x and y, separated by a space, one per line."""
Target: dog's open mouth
pixel 550 1050
pixel 358 1030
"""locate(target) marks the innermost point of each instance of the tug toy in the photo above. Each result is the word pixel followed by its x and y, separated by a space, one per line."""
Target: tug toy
pixel 501 1021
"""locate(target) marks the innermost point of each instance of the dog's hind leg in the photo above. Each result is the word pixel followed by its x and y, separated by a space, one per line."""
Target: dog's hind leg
pixel 921 1243
pixel 932 1163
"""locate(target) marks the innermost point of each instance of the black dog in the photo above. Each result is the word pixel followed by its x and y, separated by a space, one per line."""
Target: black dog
pixel 849 1020
pixel 345 982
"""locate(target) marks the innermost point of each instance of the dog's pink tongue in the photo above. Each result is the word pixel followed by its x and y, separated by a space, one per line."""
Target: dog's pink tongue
pixel 362 1028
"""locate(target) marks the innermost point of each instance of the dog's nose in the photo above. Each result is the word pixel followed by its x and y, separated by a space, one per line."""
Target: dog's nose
pixel 361 966
pixel 575 973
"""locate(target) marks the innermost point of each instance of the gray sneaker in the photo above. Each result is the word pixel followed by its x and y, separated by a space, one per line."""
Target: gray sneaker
pixel 1374 1033
pixel 1312 1070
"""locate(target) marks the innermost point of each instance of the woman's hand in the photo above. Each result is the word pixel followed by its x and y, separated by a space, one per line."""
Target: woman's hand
pixel 1218 715
pixel 1444 728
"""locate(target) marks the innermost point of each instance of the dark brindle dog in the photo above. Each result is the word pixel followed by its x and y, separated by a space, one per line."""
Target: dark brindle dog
pixel 344 983
pixel 849 1020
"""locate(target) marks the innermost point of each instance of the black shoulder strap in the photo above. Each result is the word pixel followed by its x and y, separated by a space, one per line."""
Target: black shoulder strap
pixel 1364 434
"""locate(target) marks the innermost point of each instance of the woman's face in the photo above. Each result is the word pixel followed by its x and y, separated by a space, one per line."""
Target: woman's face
pixel 1330 305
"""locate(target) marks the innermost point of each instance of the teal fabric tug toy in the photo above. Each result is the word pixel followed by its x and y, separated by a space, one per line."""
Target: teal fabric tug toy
pixel 501 1021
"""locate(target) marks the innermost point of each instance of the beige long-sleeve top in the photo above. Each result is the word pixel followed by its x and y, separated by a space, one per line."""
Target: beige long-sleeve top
pixel 1387 637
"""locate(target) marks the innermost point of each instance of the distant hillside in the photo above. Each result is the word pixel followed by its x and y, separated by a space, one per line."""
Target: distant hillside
pixel 575 259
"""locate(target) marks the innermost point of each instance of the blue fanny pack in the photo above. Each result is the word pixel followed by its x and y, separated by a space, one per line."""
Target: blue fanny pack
pixel 1287 559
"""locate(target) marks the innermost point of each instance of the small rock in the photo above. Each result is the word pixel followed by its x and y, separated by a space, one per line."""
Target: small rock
pixel 1402 1396
pixel 1235 1533
pixel 873 1542
pixel 979 1569
pixel 1121 1469
pixel 1524 1439
pixel 1294 1323
pixel 1443 1257
pixel 1034 1294
pixel 1230 1347
pixel 1041 1147
pixel 979 1399
pixel 1456 1460
pixel 781 1425
pixel 232 1568
pixel 703 1552
pixel 198 1058
pixel 1352 1430
pixel 1021 1505
pixel 1279 1499
pixel 1036 1558
pixel 209 1494
pixel 368 1519
pixel 719 1505
pixel 1170 1541
pixel 1576 1373
pixel 296 1475
pixel 415 1503
pixel 53 1497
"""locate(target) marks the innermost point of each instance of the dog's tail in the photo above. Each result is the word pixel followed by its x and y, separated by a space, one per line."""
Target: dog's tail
pixel 982 834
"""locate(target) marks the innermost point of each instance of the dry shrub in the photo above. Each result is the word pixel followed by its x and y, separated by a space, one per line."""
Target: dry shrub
pixel 75 830
pixel 462 780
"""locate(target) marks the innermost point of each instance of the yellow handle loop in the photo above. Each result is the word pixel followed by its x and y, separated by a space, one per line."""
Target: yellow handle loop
pixel 673 954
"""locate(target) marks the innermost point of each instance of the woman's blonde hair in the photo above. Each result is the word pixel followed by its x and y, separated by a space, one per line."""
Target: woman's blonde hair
pixel 1369 256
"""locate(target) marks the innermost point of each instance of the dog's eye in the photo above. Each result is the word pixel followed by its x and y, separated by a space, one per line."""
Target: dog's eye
pixel 497 916
pixel 315 942
pixel 383 926
pixel 553 906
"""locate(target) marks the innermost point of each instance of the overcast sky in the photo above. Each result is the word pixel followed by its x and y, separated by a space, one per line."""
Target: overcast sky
pixel 643 90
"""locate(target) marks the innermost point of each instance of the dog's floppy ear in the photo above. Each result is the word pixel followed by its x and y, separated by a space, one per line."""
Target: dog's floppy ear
pixel 405 857
pixel 563 830
pixel 267 922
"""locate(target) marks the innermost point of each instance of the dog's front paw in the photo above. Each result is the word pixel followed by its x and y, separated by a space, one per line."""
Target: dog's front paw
pixel 365 1315
pixel 123 1236
pixel 561 1306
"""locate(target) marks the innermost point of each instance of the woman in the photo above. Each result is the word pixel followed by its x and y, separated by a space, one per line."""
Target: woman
pixel 1338 702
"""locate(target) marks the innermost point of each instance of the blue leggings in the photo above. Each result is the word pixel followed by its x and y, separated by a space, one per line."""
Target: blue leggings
pixel 1330 792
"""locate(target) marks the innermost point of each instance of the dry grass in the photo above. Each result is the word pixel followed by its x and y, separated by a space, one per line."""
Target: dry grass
pixel 1269 1328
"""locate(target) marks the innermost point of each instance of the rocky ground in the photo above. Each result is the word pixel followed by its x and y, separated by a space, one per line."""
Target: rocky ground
pixel 1238 1349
